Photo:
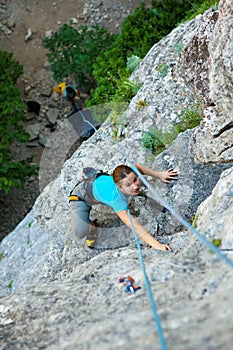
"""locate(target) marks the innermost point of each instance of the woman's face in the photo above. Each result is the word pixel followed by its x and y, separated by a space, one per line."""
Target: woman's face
pixel 130 185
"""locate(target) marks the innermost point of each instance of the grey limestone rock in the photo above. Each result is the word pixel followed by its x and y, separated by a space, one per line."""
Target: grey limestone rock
pixel 57 294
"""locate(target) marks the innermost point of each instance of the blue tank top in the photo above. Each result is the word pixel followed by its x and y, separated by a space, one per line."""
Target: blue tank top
pixel 106 191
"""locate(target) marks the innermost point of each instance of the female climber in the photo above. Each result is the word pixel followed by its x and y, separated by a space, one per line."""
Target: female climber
pixel 69 92
pixel 114 191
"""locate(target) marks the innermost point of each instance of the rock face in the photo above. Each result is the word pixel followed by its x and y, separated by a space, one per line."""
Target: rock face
pixel 195 62
pixel 194 184
pixel 207 66
pixel 219 205
pixel 163 89
pixel 57 294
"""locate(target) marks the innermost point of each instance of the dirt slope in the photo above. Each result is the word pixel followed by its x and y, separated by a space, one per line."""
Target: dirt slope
pixel 42 16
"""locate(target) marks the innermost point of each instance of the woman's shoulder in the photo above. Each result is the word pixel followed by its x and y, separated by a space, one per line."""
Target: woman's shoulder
pixel 104 182
pixel 104 178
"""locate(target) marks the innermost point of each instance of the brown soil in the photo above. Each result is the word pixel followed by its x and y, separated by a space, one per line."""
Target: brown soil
pixel 41 16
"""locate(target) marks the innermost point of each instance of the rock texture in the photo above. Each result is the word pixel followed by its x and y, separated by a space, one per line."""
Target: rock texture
pixel 163 88
pixel 57 294
pixel 207 67
pixel 219 206
pixel 195 183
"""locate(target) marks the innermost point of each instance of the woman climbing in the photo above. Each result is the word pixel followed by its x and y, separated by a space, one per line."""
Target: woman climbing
pixel 114 191
pixel 69 92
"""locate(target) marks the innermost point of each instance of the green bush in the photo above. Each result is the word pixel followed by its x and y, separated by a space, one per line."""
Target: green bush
pixel 12 174
pixel 163 69
pixel 118 121
pixel 189 119
pixel 102 62
pixel 157 141
pixel 152 141
pixel 141 104
pixel 217 242
pixel 108 70
pixel 199 7
pixel 133 63
pixel 139 32
pixel 72 52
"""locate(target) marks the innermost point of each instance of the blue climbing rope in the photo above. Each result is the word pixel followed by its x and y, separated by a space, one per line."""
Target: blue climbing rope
pixel 148 289
pixel 147 283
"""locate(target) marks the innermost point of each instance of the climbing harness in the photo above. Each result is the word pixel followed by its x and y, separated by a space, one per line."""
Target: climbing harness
pixel 87 176
pixel 73 197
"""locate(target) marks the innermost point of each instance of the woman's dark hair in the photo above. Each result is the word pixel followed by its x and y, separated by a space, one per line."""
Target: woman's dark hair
pixel 70 92
pixel 120 172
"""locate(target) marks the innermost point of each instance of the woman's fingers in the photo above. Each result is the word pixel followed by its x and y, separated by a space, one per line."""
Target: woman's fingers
pixel 165 247
pixel 171 174
pixel 171 171
pixel 167 175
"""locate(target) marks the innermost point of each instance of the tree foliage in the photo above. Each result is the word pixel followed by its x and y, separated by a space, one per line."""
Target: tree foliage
pixel 199 7
pixel 72 52
pixel 139 32
pixel 12 174
pixel 93 56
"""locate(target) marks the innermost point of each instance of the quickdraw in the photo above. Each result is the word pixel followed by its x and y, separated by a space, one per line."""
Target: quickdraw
pixel 128 282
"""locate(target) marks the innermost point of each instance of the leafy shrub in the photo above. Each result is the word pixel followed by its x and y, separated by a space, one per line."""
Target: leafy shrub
pixel 193 220
pixel 178 48
pixel 157 141
pixel 198 8
pixel 10 284
pixel 102 62
pixel 125 91
pixel 217 242
pixel 108 70
pixel 73 52
pixel 118 122
pixel 152 141
pixel 139 32
pixel 133 63
pixel 189 119
pixel 12 174
pixel 141 104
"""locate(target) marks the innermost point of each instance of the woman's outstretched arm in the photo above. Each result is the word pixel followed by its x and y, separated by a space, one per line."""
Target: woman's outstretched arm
pixel 141 232
pixel 164 176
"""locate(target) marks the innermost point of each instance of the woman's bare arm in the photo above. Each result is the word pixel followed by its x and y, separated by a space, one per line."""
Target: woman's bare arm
pixel 141 232
pixel 163 176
